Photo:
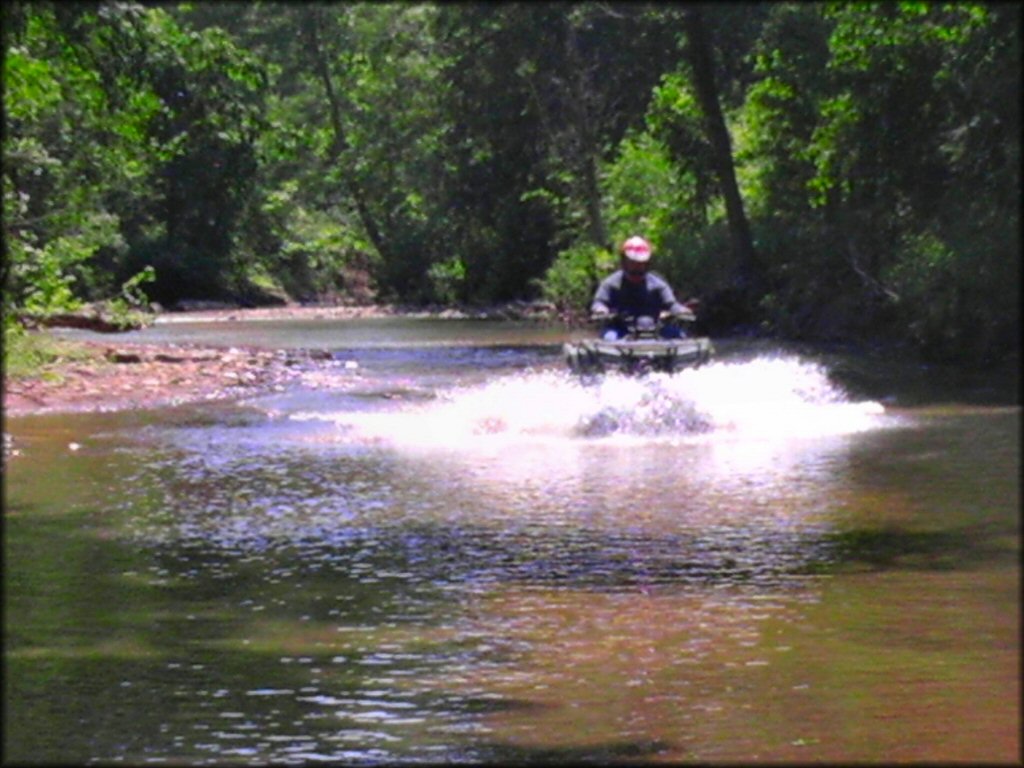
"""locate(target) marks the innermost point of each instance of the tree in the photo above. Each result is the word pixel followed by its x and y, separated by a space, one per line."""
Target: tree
pixel 129 144
pixel 911 84
pixel 854 168
pixel 320 61
pixel 72 151
pixel 495 147
pixel 699 55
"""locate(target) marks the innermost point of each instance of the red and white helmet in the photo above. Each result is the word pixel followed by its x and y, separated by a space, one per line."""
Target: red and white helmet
pixel 636 249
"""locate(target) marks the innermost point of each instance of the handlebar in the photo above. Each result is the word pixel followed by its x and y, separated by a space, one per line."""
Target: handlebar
pixel 664 316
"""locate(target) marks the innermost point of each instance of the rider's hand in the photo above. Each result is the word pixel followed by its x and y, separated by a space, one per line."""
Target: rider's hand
pixel 599 313
pixel 680 313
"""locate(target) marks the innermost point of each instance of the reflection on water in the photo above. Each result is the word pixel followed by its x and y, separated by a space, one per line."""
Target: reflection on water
pixel 422 557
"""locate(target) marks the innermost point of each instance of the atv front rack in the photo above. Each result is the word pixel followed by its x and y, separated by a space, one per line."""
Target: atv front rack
pixel 637 356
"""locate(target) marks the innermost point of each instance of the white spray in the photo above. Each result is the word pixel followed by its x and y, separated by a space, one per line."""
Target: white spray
pixel 775 396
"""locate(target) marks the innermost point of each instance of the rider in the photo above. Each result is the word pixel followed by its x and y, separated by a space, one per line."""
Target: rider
pixel 633 292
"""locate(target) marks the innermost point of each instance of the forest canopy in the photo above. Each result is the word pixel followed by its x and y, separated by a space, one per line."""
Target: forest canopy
pixel 845 171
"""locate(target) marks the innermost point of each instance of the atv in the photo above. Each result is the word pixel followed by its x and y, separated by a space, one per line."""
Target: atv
pixel 649 345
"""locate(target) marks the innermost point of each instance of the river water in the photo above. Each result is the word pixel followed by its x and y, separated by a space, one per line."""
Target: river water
pixel 441 547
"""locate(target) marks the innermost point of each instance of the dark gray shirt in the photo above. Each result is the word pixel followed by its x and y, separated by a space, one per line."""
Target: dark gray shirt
pixel 647 298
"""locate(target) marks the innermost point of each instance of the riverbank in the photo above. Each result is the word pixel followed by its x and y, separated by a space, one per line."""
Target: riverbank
pixel 114 376
pixel 110 375
pixel 515 310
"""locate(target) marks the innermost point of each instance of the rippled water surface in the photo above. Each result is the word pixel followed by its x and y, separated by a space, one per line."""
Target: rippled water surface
pixel 441 547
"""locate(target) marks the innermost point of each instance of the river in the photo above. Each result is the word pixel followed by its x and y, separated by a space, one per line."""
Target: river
pixel 441 547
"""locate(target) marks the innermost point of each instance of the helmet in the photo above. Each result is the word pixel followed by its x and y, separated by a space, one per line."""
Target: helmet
pixel 636 249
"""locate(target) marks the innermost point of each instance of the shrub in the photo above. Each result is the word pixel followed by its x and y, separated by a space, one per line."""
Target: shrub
pixel 447 279
pixel 570 281
pixel 31 353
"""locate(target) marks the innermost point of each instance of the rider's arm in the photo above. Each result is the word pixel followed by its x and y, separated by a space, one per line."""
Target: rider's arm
pixel 602 303
pixel 669 303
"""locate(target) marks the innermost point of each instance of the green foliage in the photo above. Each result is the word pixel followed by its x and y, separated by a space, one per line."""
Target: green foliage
pixel 923 274
pixel 645 191
pixel 570 282
pixel 697 262
pixel 121 126
pixel 132 292
pixel 35 353
pixel 852 139
pixel 949 293
pixel 315 248
pixel 130 309
pixel 675 117
pixel 447 279
pixel 42 278
pixel 54 218
pixel 454 152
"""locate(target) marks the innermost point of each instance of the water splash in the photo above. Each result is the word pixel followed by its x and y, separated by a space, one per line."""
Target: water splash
pixel 775 396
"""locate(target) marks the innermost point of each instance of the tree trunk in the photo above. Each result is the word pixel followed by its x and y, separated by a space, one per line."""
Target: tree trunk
pixel 340 144
pixel 699 56
pixel 585 133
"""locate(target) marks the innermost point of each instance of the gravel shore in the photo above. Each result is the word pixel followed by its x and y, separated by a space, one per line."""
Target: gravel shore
pixel 120 376
pixel 125 376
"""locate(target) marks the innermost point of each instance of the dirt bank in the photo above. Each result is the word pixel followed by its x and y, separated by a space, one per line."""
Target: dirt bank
pixel 123 376
pixel 119 376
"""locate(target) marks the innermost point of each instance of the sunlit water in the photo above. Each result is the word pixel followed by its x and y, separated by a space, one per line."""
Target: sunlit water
pixel 446 548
